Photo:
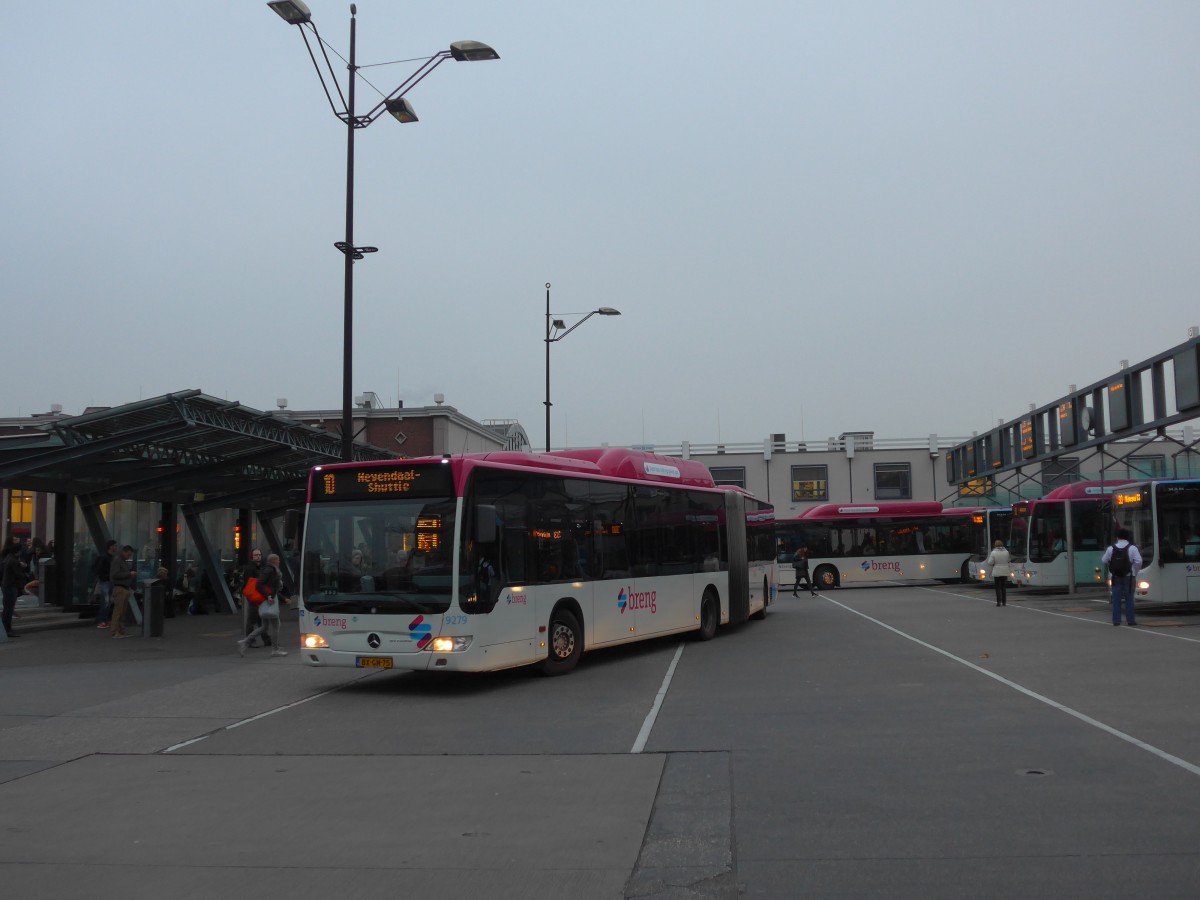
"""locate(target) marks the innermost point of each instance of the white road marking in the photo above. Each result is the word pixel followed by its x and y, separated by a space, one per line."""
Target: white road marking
pixel 644 735
pixel 1162 754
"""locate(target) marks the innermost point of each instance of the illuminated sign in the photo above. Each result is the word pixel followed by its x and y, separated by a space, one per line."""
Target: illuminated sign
pixel 428 536
pixel 977 487
pixel 1028 445
pixel 1129 498
pixel 382 482
pixel 1020 508
pixel 1066 423
pixel 1119 418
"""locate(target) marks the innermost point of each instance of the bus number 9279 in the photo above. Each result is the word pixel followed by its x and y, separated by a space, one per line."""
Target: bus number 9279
pixel 490 561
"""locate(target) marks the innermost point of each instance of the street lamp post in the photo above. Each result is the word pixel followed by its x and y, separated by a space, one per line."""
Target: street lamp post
pixel 295 12
pixel 556 330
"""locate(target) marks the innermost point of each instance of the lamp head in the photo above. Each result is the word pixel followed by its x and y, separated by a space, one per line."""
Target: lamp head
pixel 294 12
pixel 608 311
pixel 402 110
pixel 472 51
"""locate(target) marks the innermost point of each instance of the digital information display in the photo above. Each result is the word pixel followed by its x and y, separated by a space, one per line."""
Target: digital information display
pixel 1066 423
pixel 382 482
pixel 1187 378
pixel 1028 444
pixel 1118 406
pixel 1129 499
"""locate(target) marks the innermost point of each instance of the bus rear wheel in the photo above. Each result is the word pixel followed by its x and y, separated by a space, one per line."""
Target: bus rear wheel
pixel 710 616
pixel 825 577
pixel 565 646
pixel 762 613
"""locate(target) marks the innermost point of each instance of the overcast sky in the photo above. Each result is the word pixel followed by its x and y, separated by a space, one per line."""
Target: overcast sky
pixel 814 217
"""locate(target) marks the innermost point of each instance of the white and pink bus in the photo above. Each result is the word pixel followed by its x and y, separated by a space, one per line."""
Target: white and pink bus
pixel 888 541
pixel 1059 540
pixel 490 561
pixel 1164 518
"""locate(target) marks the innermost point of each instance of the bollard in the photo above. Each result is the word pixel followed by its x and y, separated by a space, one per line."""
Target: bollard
pixel 152 607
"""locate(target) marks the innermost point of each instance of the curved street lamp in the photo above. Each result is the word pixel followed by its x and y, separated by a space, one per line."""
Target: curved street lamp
pixel 295 12
pixel 556 330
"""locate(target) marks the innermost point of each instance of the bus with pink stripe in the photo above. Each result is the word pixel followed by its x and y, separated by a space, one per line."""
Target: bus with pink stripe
pixel 887 541
pixel 496 560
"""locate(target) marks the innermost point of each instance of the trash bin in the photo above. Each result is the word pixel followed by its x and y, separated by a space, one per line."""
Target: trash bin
pixel 152 607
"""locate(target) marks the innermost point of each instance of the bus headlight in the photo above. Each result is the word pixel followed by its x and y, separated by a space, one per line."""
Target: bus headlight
pixel 451 644
pixel 1143 586
pixel 982 574
pixel 313 642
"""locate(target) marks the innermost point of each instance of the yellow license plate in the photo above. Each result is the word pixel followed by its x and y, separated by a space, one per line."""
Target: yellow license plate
pixel 373 662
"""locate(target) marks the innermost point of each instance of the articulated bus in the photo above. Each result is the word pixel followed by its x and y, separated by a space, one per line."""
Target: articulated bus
pixel 888 541
pixel 1164 517
pixel 496 560
pixel 1042 546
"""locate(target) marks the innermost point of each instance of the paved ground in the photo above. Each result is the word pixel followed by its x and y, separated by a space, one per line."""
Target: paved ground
pixel 882 742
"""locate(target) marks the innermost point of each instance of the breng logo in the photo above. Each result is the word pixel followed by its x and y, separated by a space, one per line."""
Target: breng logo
pixel 420 632
pixel 869 565
pixel 631 599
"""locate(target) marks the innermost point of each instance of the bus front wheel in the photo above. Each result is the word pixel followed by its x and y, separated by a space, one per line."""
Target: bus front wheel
pixel 710 616
pixel 825 577
pixel 964 574
pixel 565 646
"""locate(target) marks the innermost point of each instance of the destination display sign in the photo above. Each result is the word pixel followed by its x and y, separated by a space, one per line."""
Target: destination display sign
pixel 1131 498
pixel 1028 445
pixel 382 482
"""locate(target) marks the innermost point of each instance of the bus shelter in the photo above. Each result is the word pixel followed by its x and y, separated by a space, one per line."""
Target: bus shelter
pixel 188 452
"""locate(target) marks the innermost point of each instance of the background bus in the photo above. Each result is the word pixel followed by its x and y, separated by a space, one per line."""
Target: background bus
pixel 1049 554
pixel 991 523
pixel 1164 517
pixel 878 542
pixel 489 561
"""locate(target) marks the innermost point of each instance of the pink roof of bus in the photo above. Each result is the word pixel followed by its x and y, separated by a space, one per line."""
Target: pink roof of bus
pixel 1078 490
pixel 882 509
pixel 612 462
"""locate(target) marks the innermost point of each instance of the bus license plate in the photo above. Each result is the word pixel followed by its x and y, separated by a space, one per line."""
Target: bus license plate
pixel 373 662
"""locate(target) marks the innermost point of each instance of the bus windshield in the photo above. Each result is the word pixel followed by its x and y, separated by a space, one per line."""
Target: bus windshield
pixel 393 557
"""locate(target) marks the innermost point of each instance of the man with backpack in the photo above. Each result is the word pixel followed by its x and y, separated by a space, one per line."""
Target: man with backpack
pixel 1123 561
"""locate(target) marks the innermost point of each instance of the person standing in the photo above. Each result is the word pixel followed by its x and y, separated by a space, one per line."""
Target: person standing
pixel 12 577
pixel 1123 560
pixel 103 573
pixel 121 576
pixel 270 583
pixel 1001 565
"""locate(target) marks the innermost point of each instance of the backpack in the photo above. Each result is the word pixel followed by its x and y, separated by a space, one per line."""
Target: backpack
pixel 1118 563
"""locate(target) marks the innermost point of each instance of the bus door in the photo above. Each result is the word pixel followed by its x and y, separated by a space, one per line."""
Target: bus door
pixel 1089 522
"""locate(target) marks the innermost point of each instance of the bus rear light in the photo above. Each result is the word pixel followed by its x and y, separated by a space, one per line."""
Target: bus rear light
pixel 1143 587
pixel 313 642
pixel 451 644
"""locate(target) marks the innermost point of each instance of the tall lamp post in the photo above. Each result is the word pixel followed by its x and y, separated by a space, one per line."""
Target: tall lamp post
pixel 294 12
pixel 556 330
